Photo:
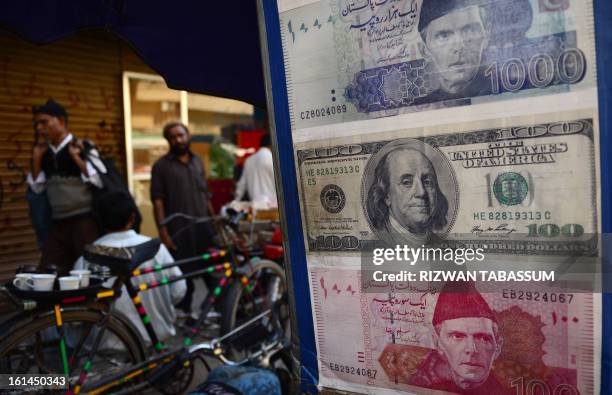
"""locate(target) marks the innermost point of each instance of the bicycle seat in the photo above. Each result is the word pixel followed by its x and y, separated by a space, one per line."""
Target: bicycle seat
pixel 121 260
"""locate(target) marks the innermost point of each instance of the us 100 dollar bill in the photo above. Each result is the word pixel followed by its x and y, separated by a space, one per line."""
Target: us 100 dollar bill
pixel 529 188
pixel 351 60
pixel 421 340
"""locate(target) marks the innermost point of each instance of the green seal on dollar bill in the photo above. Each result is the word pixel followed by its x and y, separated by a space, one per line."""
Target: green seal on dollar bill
pixel 510 188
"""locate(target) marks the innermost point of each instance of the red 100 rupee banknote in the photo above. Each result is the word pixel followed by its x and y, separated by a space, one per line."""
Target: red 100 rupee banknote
pixel 453 338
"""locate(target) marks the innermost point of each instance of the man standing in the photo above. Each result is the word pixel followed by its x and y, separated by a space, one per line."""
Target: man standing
pixel 258 177
pixel 178 185
pixel 58 168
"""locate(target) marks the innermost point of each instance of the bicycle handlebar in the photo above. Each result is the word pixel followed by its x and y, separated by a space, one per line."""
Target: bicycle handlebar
pixel 233 216
pixel 263 353
pixel 191 218
pixel 232 219
pixel 23 304
pixel 265 350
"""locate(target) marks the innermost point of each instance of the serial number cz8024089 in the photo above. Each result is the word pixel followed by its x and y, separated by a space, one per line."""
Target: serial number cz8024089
pixel 33 381
pixel 323 112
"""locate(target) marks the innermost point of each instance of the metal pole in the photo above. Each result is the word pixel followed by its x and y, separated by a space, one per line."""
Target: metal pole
pixel 295 335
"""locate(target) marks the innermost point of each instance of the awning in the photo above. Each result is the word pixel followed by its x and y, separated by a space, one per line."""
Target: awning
pixel 209 47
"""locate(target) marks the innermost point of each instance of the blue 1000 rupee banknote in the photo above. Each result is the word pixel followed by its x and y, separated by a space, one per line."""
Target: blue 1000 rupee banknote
pixel 349 60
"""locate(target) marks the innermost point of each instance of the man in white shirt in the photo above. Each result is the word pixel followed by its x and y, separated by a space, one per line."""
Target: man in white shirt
pixel 59 169
pixel 258 177
pixel 117 215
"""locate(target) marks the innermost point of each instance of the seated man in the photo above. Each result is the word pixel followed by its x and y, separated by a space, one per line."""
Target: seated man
pixel 117 214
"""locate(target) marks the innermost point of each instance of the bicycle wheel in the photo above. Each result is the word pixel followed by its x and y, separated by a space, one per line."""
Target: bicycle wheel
pixel 32 346
pixel 267 283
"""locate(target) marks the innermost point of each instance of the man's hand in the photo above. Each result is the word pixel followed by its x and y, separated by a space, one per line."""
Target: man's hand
pixel 38 151
pixel 160 213
pixel 75 148
pixel 166 239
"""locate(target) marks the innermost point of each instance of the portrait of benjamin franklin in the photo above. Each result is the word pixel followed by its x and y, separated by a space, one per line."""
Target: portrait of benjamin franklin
pixel 404 201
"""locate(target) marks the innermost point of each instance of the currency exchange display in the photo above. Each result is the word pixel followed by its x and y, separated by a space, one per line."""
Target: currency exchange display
pixel 455 123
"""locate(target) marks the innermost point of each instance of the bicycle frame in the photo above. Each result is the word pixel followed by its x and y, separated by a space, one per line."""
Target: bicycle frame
pixel 227 229
pixel 228 271
pixel 162 358
pixel 211 348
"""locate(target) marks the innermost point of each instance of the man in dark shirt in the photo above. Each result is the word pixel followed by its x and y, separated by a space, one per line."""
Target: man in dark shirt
pixel 59 170
pixel 178 185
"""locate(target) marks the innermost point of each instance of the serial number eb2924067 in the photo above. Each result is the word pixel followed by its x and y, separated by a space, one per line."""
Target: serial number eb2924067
pixel 371 373
pixel 551 297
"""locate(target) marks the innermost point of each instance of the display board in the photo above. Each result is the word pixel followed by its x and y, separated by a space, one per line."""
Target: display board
pixel 465 125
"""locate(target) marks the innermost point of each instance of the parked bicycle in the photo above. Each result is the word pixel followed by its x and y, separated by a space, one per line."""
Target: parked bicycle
pixel 79 333
pixel 239 242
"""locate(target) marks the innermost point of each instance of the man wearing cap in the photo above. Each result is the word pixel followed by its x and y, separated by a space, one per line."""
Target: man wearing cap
pixel 455 35
pixel 59 169
pixel 467 341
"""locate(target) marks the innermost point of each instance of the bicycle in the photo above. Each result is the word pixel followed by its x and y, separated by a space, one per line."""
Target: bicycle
pixel 242 231
pixel 94 313
pixel 234 239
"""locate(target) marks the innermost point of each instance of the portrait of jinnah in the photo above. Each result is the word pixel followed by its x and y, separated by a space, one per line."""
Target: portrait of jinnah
pixel 455 35
pixel 467 341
